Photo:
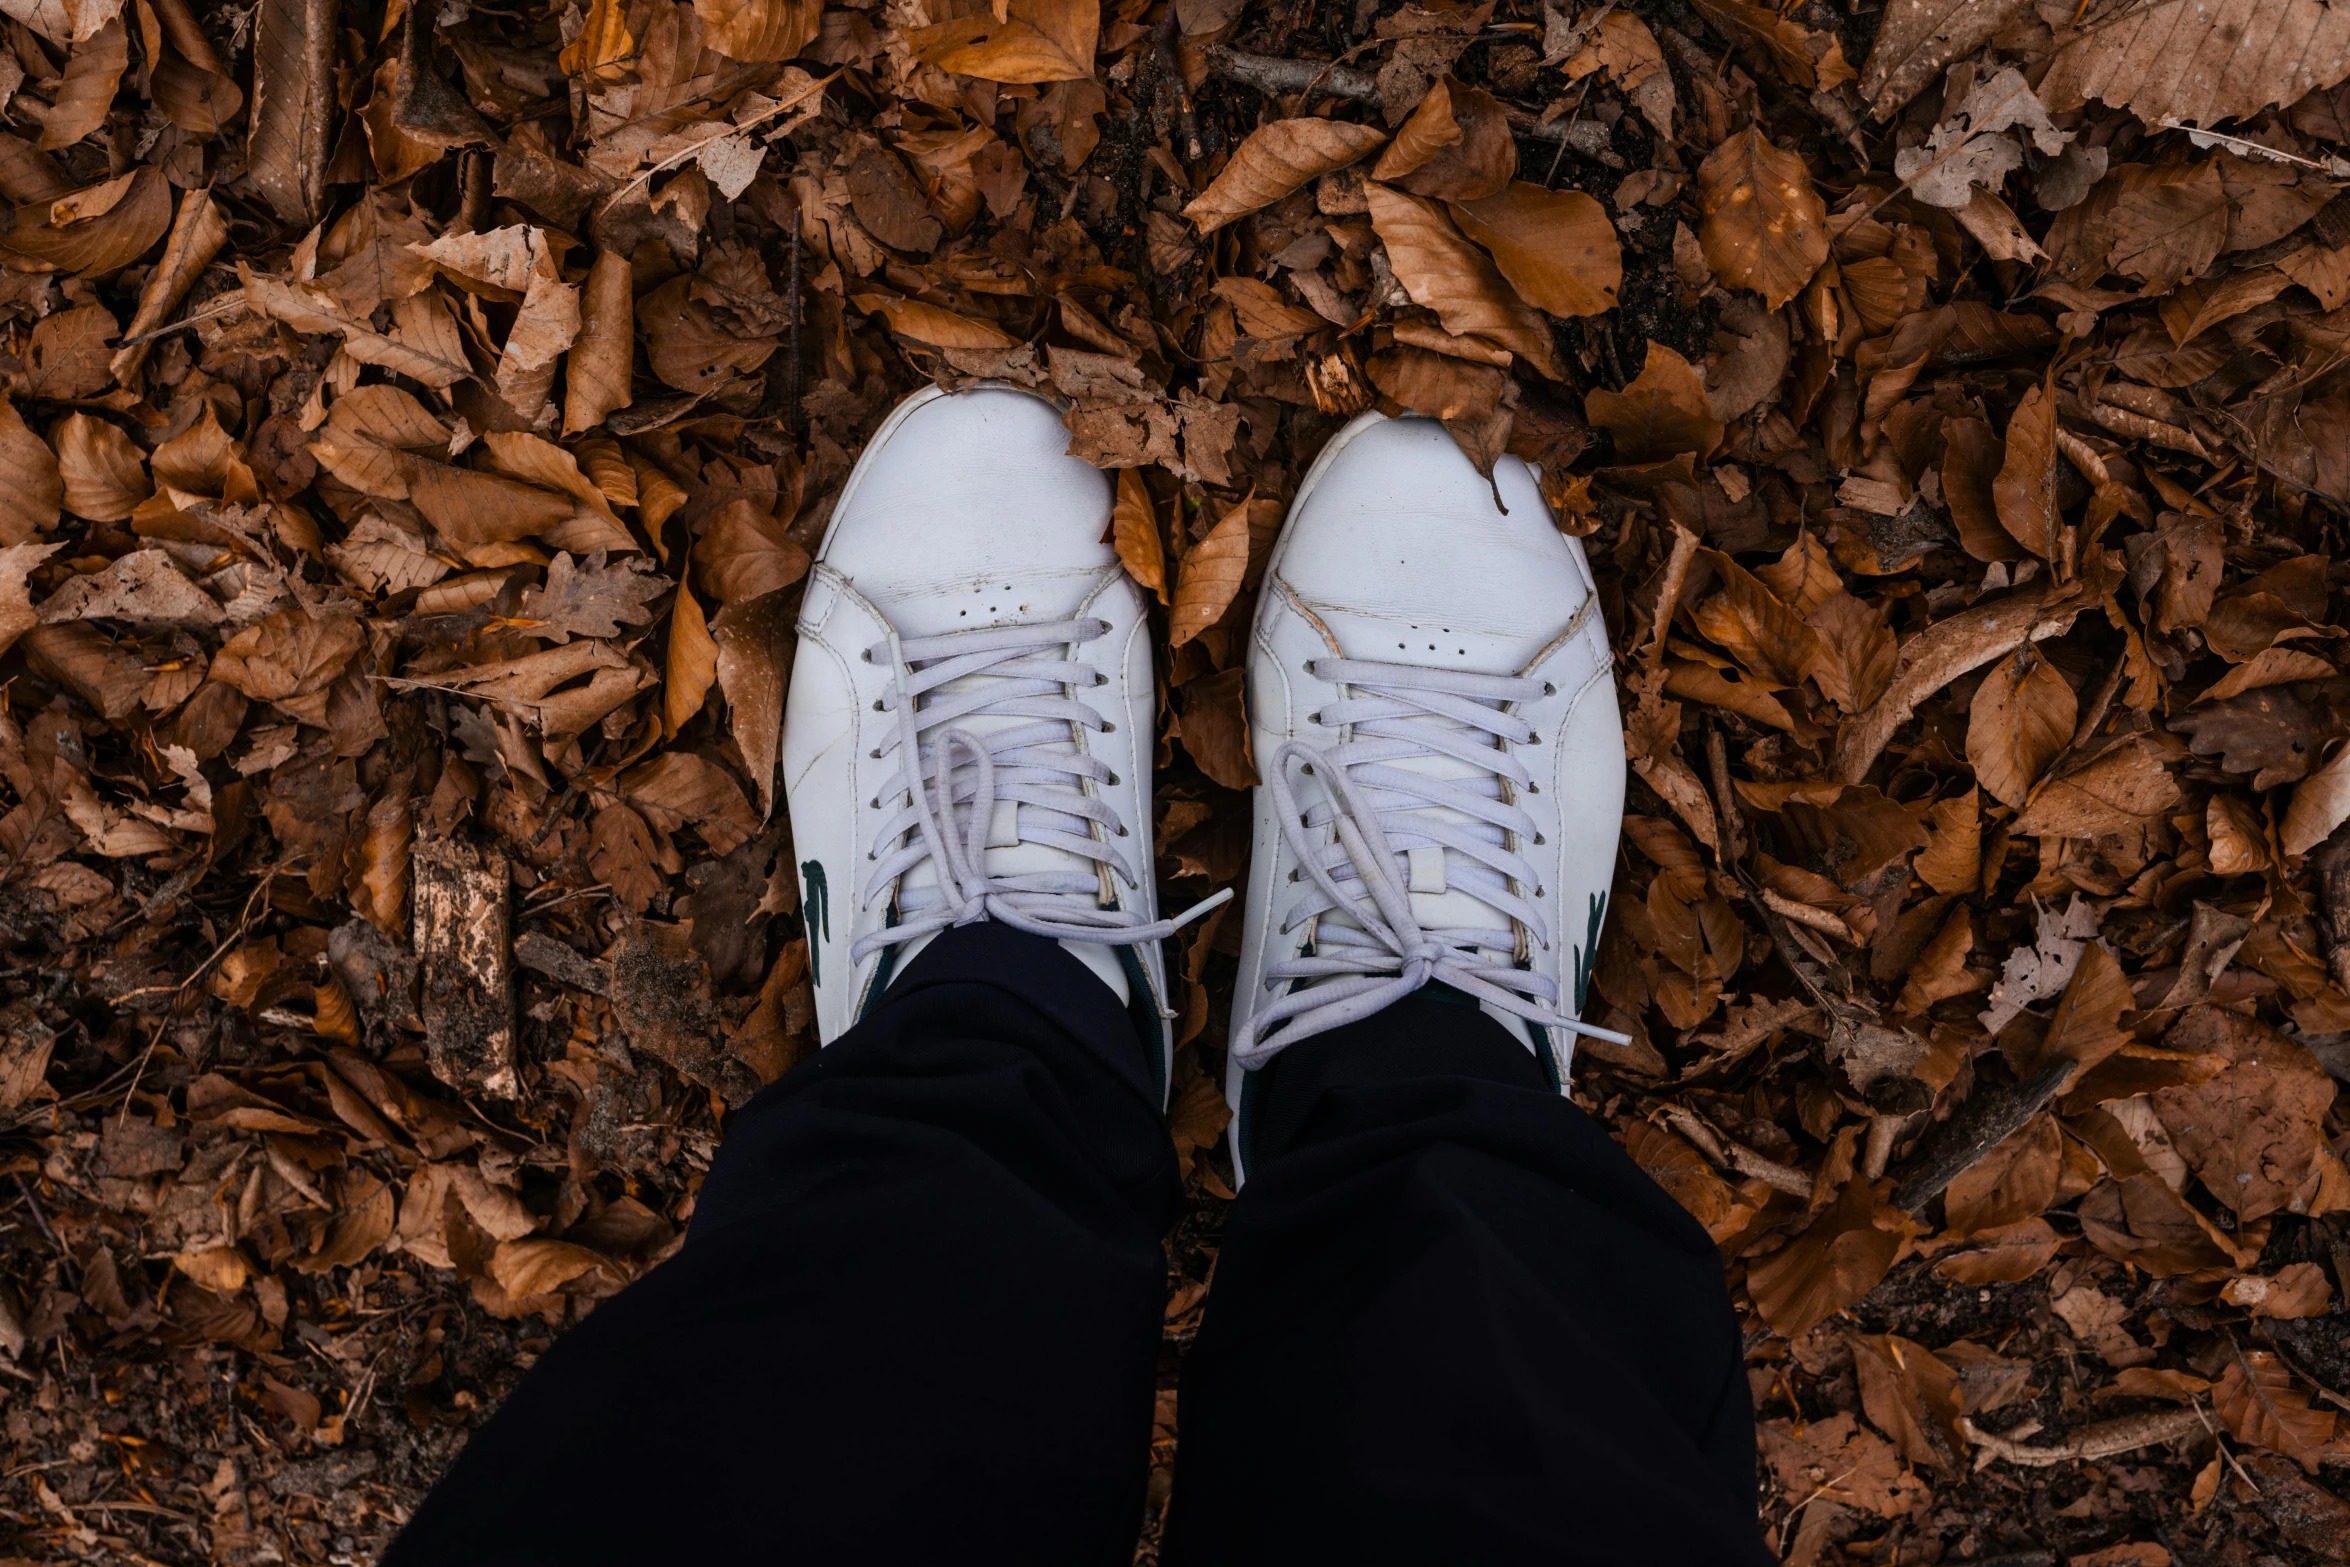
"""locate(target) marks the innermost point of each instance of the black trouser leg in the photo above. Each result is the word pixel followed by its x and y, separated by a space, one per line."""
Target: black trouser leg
pixel 915 1319
pixel 1453 1322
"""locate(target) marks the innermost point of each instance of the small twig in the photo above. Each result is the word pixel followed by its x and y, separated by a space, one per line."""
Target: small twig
pixel 1985 1121
pixel 683 153
pixel 1333 80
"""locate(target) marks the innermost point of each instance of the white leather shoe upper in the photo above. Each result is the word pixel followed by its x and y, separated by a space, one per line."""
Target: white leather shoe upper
pixel 963 521
pixel 1456 652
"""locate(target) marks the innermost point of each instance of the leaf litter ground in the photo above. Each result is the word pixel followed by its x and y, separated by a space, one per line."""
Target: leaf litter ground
pixel 419 419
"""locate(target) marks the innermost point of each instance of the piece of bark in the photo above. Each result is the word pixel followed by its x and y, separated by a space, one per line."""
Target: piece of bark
pixel 546 955
pixel 464 907
pixel 660 992
pixel 1981 1124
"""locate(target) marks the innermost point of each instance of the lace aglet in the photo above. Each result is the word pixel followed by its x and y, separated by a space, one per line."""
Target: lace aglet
pixel 1212 901
pixel 1593 1031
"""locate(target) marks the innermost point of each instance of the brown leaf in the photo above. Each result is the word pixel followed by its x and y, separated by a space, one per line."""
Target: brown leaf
pixel 1275 160
pixel 539 1265
pixel 2321 803
pixel 2298 1289
pixel 1833 1263
pixel 2016 1180
pixel 2007 1255
pixel 932 324
pixel 1918 38
pixel 754 643
pixel 591 599
pixel 1215 728
pixel 1841 1460
pixel 1456 146
pixel 32 491
pixel 87 91
pixel 1021 41
pixel 746 553
pixel 758 29
pixel 1556 248
pixel 103 476
pixel 2252 1133
pixel 597 375
pixel 2261 1407
pixel 1662 412
pixel 1210 577
pixel 290 655
pixel 1452 277
pixel 2205 62
pixel 293 114
pixel 2021 719
pixel 2025 491
pixel 1765 228
pixel 1134 529
pixel 2118 790
pixel 692 666
pixel 95 230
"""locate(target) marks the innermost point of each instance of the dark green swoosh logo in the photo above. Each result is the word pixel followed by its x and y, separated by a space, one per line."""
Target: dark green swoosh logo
pixel 816 910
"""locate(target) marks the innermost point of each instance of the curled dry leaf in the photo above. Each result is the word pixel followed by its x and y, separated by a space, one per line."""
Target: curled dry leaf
pixel 1452 277
pixel 692 664
pixel 94 231
pixel 1663 412
pixel 1765 227
pixel 1210 577
pixel 1275 160
pixel 931 324
pixel 758 29
pixel 1556 248
pixel 31 489
pixel 2025 491
pixel 1020 41
pixel 599 370
pixel 1134 530
pixel 1456 146
pixel 104 477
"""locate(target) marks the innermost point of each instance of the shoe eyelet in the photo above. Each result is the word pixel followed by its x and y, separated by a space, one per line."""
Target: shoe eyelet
pixel 1122 832
pixel 878 706
pixel 1548 689
pixel 1539 840
pixel 875 753
pixel 867 655
pixel 1112 780
pixel 1315 719
pixel 1533 739
pixel 1533 788
pixel 1109 728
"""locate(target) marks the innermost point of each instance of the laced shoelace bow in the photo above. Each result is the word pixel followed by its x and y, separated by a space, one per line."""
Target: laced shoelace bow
pixel 954 782
pixel 1378 951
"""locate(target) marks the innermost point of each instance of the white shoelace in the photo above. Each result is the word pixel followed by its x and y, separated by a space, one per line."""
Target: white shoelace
pixel 953 778
pixel 1369 949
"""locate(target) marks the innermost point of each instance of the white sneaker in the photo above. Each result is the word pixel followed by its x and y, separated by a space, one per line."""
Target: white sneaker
pixel 1432 706
pixel 965 607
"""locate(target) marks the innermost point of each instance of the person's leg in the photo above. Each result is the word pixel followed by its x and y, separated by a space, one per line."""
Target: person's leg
pixel 1452 1321
pixel 914 1320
